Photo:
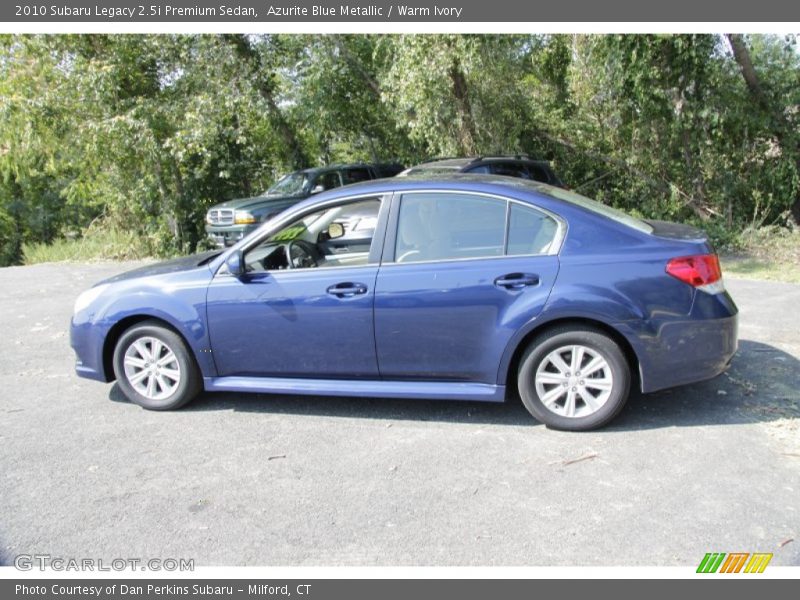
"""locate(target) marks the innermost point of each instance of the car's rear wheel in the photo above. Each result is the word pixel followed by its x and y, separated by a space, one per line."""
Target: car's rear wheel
pixel 154 368
pixel 574 379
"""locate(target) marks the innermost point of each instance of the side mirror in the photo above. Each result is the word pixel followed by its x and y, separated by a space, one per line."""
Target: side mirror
pixel 335 230
pixel 235 263
pixel 317 189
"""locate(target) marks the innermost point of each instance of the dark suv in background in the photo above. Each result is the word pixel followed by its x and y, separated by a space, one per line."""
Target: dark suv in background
pixel 230 221
pixel 518 165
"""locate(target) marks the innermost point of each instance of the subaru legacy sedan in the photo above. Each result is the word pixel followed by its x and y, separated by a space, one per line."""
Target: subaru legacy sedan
pixel 458 287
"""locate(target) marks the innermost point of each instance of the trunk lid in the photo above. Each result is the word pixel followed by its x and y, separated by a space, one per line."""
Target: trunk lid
pixel 677 231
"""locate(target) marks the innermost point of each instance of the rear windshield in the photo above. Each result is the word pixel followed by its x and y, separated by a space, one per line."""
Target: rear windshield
pixel 600 209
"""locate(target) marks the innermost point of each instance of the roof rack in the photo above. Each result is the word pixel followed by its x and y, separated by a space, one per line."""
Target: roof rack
pixel 514 156
pixel 337 165
pixel 438 158
pixel 519 156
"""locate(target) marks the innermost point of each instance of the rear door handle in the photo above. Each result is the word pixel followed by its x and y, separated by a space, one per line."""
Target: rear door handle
pixel 347 289
pixel 516 281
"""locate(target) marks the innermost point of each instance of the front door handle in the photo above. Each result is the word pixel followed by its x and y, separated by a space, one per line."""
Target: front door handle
pixel 347 289
pixel 516 281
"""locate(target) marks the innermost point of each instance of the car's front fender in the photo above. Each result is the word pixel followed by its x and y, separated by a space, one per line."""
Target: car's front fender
pixel 179 302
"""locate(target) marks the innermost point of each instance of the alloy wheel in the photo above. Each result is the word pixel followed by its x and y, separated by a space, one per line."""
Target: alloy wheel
pixel 152 368
pixel 574 381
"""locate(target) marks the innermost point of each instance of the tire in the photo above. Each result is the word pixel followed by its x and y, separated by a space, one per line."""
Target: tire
pixel 563 397
pixel 164 384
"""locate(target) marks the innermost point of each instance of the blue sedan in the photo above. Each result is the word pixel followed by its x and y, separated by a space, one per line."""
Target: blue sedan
pixel 458 287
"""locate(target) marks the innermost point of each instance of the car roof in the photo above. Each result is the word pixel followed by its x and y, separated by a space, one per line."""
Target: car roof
pixel 490 184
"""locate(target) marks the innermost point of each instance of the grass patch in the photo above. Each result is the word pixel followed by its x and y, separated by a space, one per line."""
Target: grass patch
pixel 96 244
pixel 755 268
pixel 771 253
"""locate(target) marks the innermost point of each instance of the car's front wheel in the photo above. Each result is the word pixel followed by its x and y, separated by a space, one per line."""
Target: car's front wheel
pixel 154 368
pixel 574 379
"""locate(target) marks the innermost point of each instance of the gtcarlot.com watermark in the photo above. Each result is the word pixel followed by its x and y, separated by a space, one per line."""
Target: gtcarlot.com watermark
pixel 45 562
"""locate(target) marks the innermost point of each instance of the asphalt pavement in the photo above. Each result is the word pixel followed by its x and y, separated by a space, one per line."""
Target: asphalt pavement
pixel 235 479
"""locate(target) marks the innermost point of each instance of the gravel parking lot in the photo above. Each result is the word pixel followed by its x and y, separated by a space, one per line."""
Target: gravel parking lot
pixel 272 480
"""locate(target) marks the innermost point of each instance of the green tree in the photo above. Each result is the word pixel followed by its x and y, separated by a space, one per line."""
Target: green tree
pixel 142 134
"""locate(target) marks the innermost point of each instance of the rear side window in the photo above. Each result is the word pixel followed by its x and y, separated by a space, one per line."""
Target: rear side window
pixel 449 226
pixel 388 170
pixel 530 231
pixel 510 170
pixel 539 174
pixel 460 226
pixel 356 175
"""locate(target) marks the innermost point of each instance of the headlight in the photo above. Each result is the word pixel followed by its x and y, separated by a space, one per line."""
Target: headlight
pixel 89 296
pixel 242 217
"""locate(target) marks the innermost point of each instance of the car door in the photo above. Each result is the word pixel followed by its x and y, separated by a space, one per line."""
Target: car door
pixel 311 317
pixel 461 273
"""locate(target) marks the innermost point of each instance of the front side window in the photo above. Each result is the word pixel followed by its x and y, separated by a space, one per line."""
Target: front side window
pixel 459 226
pixel 329 180
pixel 335 236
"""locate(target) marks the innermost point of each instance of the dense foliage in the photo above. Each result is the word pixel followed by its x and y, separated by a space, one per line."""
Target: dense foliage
pixel 139 135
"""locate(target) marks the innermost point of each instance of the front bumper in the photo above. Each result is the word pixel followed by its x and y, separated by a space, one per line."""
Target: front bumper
pixel 87 343
pixel 228 235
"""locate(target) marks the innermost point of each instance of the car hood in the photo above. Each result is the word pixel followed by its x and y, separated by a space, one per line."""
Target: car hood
pixel 184 263
pixel 245 203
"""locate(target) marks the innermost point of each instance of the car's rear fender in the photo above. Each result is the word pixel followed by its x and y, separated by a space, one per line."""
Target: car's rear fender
pixel 676 334
pixel 631 299
pixel 620 332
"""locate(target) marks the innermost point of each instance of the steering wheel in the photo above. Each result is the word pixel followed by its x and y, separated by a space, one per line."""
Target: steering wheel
pixel 301 254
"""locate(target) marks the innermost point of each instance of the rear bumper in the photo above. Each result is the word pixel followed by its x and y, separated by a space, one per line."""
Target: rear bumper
pixel 694 348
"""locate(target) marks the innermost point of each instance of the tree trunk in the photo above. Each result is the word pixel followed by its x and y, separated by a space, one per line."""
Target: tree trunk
pixel 742 56
pixel 356 65
pixel 13 251
pixel 182 212
pixel 295 152
pixel 781 128
pixel 245 51
pixel 466 123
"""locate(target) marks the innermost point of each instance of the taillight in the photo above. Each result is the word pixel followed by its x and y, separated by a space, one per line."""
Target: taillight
pixel 701 271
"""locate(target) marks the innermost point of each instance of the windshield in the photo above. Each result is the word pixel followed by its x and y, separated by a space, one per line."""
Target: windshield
pixel 292 184
pixel 296 230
